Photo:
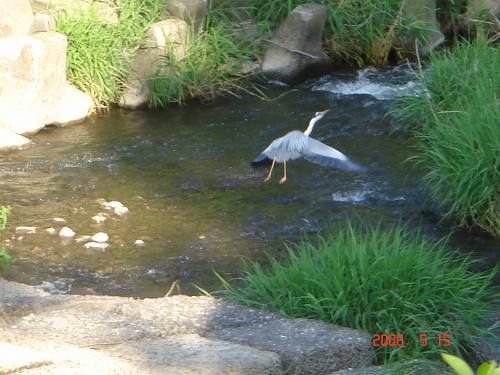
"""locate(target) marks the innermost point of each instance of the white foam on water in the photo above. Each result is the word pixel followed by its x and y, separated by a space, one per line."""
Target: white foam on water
pixel 365 84
pixel 355 197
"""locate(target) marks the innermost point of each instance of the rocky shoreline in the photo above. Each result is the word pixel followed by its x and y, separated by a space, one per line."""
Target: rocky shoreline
pixel 63 334
pixel 34 90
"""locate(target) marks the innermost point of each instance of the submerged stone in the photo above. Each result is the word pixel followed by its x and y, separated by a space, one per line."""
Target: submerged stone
pixel 66 232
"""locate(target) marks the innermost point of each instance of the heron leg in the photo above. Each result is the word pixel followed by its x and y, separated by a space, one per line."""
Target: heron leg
pixel 283 179
pixel 271 171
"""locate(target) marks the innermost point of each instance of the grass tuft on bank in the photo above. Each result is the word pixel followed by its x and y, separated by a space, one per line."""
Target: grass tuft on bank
pixel 379 280
pixel 212 67
pixel 458 130
pixel 5 259
pixel 358 31
pixel 99 52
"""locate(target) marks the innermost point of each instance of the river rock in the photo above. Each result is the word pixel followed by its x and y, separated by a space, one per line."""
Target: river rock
pixel 100 237
pixel 423 11
pixel 33 81
pixel 139 243
pixel 103 9
pixel 58 220
pixel 96 245
pixel 66 232
pixel 10 139
pixel 99 218
pixel 16 18
pixel 191 11
pixel 296 45
pixel 51 231
pixel 171 33
pixel 120 211
pixel 83 238
pixel 25 230
pixel 110 205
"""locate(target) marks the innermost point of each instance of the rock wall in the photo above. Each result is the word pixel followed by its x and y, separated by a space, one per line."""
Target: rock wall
pixel 33 87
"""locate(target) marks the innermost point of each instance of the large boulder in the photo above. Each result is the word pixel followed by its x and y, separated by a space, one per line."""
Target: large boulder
pixel 16 18
pixel 296 45
pixel 423 11
pixel 33 87
pixel 191 11
pixel 10 139
pixel 103 8
pixel 163 36
pixel 488 9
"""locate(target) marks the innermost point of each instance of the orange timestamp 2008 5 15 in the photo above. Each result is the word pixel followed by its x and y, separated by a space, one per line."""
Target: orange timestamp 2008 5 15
pixel 398 339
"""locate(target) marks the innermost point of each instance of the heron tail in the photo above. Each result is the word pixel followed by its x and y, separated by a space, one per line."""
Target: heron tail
pixel 260 160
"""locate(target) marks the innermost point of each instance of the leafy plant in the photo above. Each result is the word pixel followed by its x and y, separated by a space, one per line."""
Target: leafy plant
pixel 385 281
pixel 460 367
pixel 5 259
pixel 456 122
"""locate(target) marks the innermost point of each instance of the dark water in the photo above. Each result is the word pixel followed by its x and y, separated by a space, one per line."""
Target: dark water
pixel 193 198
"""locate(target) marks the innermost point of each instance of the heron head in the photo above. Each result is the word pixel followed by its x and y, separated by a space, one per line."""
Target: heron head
pixel 319 115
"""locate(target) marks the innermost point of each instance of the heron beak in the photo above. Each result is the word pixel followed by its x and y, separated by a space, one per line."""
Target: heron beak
pixel 325 112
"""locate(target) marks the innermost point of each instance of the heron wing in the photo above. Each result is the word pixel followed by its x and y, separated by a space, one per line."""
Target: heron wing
pixel 319 153
pixel 288 147
pixel 262 159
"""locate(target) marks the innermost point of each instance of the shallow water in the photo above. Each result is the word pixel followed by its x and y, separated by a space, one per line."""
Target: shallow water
pixel 193 198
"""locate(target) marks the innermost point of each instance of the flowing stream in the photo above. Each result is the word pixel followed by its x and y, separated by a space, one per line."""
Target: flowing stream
pixel 194 200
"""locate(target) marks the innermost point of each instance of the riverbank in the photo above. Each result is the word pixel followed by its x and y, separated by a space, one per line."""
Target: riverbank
pixel 54 334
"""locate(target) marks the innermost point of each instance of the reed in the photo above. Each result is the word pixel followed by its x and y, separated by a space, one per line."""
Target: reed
pixel 456 123
pixel 379 280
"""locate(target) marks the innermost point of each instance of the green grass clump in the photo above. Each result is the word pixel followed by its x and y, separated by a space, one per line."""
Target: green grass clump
pixel 378 280
pixel 457 124
pixel 5 259
pixel 211 67
pixel 99 52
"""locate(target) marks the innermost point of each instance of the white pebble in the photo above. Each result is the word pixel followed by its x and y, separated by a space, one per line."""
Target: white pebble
pixel 139 243
pixel 66 232
pixel 82 239
pixel 51 231
pixel 58 220
pixel 99 218
pixel 122 210
pixel 111 205
pixel 26 230
pixel 96 245
pixel 100 237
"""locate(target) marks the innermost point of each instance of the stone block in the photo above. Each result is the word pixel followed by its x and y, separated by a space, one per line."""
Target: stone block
pixel 103 8
pixel 305 346
pixel 16 18
pixel 42 22
pixel 296 45
pixel 169 35
pixel 191 11
pixel 423 11
pixel 192 354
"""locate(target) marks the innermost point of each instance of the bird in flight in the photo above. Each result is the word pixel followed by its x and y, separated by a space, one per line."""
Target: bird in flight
pixel 296 144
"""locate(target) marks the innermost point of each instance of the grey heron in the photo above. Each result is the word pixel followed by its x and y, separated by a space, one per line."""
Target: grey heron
pixel 296 144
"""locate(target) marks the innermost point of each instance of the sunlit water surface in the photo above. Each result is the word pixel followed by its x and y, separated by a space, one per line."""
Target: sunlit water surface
pixel 193 198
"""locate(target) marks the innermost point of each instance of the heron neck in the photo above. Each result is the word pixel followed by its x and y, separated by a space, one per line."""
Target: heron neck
pixel 310 128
